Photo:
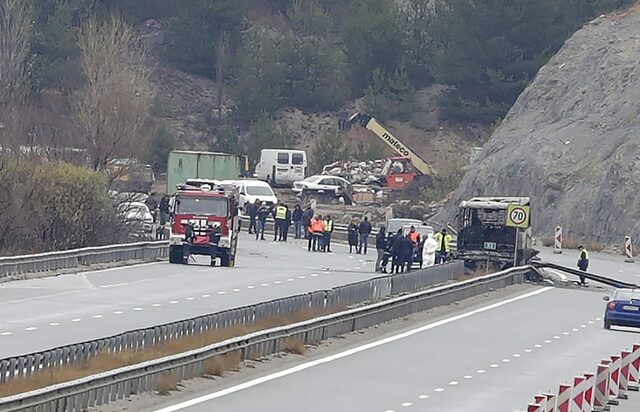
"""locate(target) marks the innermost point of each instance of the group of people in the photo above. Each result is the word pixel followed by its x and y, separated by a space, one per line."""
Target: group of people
pixel 402 249
pixel 358 235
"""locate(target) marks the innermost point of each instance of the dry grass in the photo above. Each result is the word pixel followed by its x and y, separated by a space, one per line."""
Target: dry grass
pixel 595 246
pixel 570 243
pixel 166 383
pixel 218 365
pixel 295 346
pixel 547 241
pixel 109 361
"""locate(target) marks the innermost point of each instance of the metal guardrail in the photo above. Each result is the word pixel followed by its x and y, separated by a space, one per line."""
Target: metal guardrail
pixel 121 383
pixel 342 296
pixel 17 266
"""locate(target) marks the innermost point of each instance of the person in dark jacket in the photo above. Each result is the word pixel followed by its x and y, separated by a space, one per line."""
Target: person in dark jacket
pixel 296 216
pixel 353 236
pixel 381 245
pixel 364 230
pixel 263 213
pixel 284 233
pixel 388 253
pixel 402 254
pixel 307 215
pixel 251 209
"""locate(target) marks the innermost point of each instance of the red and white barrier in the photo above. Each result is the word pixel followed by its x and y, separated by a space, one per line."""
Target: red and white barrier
pixel 614 388
pixel 534 407
pixel 628 249
pixel 564 398
pixel 613 391
pixel 577 394
pixel 624 370
pixel 551 402
pixel 557 243
pixel 542 401
pixel 601 390
pixel 634 368
pixel 590 381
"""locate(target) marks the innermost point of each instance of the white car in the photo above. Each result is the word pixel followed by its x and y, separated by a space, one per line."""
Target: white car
pixel 252 189
pixel 137 217
pixel 325 183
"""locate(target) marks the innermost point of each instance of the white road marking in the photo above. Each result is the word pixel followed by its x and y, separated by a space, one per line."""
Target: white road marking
pixel 346 353
pixel 115 285
pixel 6 333
pixel 277 282
pixel 583 326
pixel 453 383
pixel 290 280
pixel 31 328
pixel 174 302
pixel 54 324
pixel 547 341
pixel 481 371
pixel 206 296
pixel 574 330
pixel 264 285
pixel 358 268
pixel 137 309
pixel 467 376
pixel 302 277
pixel 528 350
pixel 556 337
pixel 76 320
pixel 506 360
pixel 591 322
pixel 438 390
pixel 537 346
pixel 250 287
pixel 236 290
pixel 494 365
pixel 97 316
pixel 598 319
pixel 118 312
pixel 222 292
pixel 516 355
pixel 191 298
pixel 313 275
pixel 423 397
pixel 156 305
pixel 406 404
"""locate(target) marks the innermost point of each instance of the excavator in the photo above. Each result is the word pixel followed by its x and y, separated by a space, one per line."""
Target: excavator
pixel 398 172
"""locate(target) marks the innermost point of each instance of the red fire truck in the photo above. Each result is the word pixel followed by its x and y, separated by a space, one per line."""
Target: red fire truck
pixel 204 221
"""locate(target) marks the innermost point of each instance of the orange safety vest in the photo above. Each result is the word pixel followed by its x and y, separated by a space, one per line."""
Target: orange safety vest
pixel 317 226
pixel 414 236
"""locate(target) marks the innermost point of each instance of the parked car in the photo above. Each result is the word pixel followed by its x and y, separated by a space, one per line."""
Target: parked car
pixel 324 183
pixel 281 167
pixel 137 218
pixel 395 224
pixel 623 308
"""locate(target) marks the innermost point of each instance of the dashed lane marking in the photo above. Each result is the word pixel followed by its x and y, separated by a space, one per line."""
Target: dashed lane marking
pixel 206 296
pixel 118 312
pixel 137 309
pixel 54 324
pixel 6 333
pixel 97 316
pixel 76 320
pixel 31 328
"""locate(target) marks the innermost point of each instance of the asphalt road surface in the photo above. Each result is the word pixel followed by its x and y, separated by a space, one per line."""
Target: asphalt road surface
pixel 41 314
pixel 492 357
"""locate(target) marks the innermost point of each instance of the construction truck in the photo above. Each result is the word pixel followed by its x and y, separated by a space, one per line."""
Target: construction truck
pixel 204 221
pixel 494 233
pixel 398 172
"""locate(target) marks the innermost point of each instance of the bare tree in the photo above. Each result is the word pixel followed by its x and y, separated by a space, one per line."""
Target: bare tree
pixel 222 55
pixel 15 41
pixel 113 105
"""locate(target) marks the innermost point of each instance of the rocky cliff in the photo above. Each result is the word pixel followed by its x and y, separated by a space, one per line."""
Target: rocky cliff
pixel 572 140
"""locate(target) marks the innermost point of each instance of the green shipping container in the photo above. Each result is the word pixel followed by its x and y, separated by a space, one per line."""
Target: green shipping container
pixel 185 164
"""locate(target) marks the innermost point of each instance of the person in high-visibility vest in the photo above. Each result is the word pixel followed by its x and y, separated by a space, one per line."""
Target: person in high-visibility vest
pixel 316 230
pixel 444 246
pixel 583 262
pixel 328 230
pixel 279 216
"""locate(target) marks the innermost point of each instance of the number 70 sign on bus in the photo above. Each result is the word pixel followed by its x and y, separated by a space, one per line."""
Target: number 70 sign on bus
pixel 518 216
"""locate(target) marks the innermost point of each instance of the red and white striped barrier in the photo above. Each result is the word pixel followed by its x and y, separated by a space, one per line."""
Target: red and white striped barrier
pixel 616 365
pixel 601 390
pixel 589 384
pixel 542 401
pixel 551 402
pixel 577 394
pixel 628 249
pixel 634 368
pixel 624 370
pixel 534 407
pixel 564 398
pixel 557 240
pixel 613 391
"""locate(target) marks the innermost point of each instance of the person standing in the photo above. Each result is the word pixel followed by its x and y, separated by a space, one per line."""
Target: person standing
pixel 388 252
pixel 284 231
pixel 381 246
pixel 352 231
pixel 328 230
pixel 279 216
pixel 396 254
pixel 316 230
pixel 429 251
pixel 364 230
pixel 297 221
pixel 444 246
pixel 583 262
pixel 263 213
pixel 251 209
pixel 307 215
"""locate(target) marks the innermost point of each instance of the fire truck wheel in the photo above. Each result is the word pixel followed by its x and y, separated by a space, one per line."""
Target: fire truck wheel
pixel 175 255
pixel 227 261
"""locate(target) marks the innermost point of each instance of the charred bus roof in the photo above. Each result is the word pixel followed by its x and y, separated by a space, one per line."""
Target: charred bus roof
pixel 493 202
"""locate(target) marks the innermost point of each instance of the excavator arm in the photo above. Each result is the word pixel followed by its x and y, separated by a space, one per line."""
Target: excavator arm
pixel 370 123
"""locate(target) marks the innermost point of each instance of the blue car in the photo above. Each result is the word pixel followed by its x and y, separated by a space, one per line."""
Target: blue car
pixel 623 308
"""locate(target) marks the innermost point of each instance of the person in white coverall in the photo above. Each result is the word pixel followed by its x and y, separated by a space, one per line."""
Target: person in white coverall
pixel 429 251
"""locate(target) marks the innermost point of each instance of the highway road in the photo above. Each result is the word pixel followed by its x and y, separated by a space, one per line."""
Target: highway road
pixel 493 356
pixel 40 314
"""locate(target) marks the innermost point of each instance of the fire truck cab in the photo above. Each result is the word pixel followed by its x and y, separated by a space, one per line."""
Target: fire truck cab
pixel 204 221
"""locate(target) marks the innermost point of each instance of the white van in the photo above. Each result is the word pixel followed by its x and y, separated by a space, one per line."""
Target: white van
pixel 282 167
pixel 252 189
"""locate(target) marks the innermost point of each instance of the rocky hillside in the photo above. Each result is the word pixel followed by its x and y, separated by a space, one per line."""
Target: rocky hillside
pixel 571 141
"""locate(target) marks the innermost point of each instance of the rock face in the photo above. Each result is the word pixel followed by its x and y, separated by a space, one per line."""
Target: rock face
pixel 572 140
